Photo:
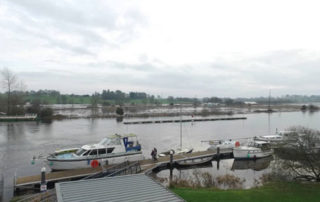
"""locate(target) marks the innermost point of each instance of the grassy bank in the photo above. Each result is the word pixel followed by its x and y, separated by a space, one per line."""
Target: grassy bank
pixel 284 192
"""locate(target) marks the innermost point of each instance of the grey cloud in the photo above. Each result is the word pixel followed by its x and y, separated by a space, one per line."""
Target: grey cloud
pixel 75 12
pixel 47 20
pixel 143 67
pixel 187 81
pixel 26 33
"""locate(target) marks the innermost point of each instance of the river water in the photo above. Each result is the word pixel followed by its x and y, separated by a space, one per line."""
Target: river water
pixel 21 140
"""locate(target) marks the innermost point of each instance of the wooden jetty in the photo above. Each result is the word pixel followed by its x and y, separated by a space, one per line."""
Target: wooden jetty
pixel 184 120
pixel 145 166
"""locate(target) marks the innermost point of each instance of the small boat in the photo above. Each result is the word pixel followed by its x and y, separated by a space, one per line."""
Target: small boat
pixel 110 150
pixel 254 150
pixel 270 138
pixel 194 162
pixel 223 144
pixel 166 153
pixel 184 150
pixel 177 151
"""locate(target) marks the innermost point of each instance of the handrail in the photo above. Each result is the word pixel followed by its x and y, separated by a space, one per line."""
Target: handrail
pixel 136 164
pixel 109 170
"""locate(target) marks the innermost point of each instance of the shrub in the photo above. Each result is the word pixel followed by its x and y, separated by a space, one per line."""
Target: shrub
pixel 46 113
pixel 119 111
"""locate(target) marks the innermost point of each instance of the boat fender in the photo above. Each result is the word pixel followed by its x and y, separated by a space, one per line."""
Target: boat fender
pixel 237 144
pixel 94 164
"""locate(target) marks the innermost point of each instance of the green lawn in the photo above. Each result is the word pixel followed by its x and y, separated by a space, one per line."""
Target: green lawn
pixel 288 192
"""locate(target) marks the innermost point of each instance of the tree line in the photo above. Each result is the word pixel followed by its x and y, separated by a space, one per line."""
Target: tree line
pixel 15 96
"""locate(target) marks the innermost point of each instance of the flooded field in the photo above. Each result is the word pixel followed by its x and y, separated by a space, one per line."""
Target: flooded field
pixel 85 110
pixel 20 141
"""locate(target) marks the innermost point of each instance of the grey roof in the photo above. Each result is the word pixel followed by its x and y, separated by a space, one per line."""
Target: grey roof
pixel 121 188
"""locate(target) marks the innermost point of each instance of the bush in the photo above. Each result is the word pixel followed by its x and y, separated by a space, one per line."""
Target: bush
pixel 46 113
pixel 119 111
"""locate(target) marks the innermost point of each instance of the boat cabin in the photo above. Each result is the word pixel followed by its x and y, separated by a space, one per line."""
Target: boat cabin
pixel 108 145
pixel 260 144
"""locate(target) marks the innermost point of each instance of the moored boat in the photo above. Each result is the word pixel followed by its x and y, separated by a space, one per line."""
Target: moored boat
pixel 270 138
pixel 110 150
pixel 194 162
pixel 223 144
pixel 254 150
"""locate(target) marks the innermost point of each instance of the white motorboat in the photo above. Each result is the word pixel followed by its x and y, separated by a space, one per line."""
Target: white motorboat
pixel 269 138
pixel 110 150
pixel 254 150
pixel 223 144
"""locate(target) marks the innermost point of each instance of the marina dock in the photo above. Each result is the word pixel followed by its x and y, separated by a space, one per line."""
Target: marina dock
pixel 185 120
pixel 145 166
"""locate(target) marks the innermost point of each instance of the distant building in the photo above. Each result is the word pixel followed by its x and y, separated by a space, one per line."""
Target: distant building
pixel 250 103
pixel 211 104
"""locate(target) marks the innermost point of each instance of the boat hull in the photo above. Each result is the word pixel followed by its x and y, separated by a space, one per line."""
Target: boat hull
pixel 239 153
pixel 68 164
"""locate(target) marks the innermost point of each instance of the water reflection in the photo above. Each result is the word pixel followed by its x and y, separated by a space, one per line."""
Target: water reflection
pixel 257 165
pixel 246 172
pixel 119 119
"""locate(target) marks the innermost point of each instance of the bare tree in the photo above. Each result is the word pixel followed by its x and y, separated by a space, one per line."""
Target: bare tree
pixel 299 156
pixel 9 82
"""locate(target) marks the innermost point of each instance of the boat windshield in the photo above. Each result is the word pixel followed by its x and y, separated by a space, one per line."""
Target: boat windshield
pixel 79 152
pixel 259 144
pixel 110 141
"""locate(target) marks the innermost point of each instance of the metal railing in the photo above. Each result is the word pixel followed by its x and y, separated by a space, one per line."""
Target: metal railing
pixel 120 169
pixel 130 169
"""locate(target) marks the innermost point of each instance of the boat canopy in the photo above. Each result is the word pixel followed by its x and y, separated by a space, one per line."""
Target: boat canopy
pixel 260 142
pixel 110 141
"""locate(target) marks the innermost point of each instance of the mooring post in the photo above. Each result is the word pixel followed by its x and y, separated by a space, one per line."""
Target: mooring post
pixel 171 165
pixel 2 188
pixel 43 185
pixel 218 157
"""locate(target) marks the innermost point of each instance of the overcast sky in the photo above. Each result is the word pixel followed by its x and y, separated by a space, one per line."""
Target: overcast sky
pixel 180 48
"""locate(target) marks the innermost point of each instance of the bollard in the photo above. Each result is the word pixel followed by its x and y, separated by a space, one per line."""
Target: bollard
pixel 43 185
pixel 218 158
pixel 171 165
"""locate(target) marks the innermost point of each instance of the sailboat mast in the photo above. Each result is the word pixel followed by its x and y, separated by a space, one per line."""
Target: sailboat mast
pixel 180 127
pixel 269 108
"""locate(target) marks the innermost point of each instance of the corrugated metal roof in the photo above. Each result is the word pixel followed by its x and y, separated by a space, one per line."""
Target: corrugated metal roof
pixel 121 188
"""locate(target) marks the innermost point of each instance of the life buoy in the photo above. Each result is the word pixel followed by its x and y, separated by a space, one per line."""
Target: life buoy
pixel 94 164
pixel 237 144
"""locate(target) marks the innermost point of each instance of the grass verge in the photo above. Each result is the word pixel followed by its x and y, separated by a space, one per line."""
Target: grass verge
pixel 275 191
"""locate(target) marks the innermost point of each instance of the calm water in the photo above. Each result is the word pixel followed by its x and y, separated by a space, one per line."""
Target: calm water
pixel 20 141
pixel 248 172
